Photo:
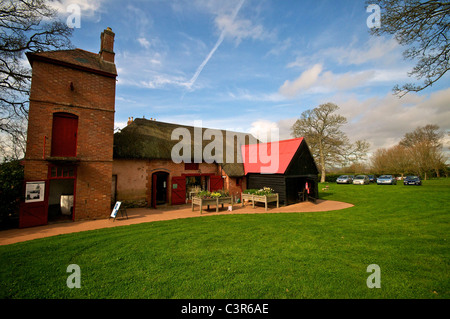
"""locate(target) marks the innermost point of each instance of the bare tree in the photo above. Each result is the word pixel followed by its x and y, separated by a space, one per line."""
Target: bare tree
pixel 425 148
pixel 393 160
pixel 422 26
pixel 13 143
pixel 321 129
pixel 357 152
pixel 25 26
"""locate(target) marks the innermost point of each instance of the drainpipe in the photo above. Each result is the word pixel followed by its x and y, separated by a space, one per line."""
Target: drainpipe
pixel 43 151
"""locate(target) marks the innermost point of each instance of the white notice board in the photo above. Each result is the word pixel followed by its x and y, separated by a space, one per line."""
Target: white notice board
pixel 115 209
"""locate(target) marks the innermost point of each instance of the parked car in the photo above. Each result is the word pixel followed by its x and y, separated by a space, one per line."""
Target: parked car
pixel 344 179
pixel 386 179
pixel 372 178
pixel 361 179
pixel 412 180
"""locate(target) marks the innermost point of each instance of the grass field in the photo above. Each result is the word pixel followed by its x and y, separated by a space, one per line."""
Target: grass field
pixel 403 229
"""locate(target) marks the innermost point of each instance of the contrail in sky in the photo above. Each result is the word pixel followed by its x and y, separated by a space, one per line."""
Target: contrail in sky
pixel 218 43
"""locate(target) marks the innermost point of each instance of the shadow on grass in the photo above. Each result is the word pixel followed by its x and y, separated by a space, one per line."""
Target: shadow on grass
pixel 324 195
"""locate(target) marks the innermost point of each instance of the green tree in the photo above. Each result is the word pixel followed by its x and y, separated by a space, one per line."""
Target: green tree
pixel 11 182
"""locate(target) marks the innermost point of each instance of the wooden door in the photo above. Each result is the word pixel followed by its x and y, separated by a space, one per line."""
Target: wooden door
pixel 64 135
pixel 178 190
pixel 215 183
pixel 34 210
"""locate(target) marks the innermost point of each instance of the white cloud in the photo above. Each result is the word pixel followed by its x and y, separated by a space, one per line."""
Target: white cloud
pixel 281 47
pixel 307 79
pixel 239 29
pixel 375 49
pixel 246 95
pixel 144 42
pixel 315 80
pixel 383 121
pixel 89 8
pixel 265 130
pixel 378 51
pixel 163 80
pixel 230 20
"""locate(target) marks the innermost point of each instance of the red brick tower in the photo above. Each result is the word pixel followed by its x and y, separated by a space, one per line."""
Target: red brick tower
pixel 68 161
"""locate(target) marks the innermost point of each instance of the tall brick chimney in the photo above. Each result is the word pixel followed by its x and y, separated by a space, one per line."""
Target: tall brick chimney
pixel 107 45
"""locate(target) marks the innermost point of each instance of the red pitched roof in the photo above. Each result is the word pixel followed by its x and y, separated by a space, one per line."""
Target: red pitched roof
pixel 263 157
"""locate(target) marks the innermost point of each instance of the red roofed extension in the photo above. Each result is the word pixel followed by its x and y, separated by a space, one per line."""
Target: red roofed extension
pixel 263 157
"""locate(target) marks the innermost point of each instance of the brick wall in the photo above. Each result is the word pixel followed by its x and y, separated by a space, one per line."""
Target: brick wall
pixel 92 98
pixel 135 184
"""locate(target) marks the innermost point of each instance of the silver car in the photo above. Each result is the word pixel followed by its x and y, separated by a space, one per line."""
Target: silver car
pixel 361 180
pixel 344 179
pixel 386 179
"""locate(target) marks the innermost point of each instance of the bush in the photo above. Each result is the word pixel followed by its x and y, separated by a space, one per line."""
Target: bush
pixel 11 183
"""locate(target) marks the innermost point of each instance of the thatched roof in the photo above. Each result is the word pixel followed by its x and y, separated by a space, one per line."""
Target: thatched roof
pixel 149 139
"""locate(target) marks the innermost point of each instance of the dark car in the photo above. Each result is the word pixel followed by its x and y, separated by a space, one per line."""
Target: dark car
pixel 372 178
pixel 412 180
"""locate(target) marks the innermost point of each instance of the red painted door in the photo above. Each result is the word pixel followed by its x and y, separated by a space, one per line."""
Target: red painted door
pixel 178 190
pixel 215 183
pixel 64 135
pixel 34 211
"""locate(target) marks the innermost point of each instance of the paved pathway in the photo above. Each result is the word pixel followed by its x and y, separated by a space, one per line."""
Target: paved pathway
pixel 143 215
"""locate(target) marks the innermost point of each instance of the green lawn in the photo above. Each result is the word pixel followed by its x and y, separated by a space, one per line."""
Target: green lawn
pixel 403 229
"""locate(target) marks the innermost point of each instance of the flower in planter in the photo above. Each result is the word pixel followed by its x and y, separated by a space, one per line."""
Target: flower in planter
pixel 265 191
pixel 261 192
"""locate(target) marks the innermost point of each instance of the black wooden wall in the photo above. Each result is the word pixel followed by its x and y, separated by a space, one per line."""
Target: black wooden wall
pixel 275 181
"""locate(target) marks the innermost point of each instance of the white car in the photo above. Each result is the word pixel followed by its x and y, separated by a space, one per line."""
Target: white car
pixel 361 180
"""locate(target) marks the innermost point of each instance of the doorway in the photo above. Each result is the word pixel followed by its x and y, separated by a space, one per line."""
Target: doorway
pixel 61 199
pixel 159 188
pixel 64 135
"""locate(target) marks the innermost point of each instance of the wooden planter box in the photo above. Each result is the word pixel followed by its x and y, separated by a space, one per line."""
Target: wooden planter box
pixel 213 201
pixel 260 198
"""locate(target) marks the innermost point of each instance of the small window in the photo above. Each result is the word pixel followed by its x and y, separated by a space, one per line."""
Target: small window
pixel 191 166
pixel 62 172
pixel 53 174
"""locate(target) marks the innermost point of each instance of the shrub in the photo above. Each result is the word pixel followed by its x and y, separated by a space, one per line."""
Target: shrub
pixel 11 182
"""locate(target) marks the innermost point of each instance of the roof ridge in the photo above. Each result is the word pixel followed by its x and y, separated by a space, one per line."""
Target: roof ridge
pixel 190 126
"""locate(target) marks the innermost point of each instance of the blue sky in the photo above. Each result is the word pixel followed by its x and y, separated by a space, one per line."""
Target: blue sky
pixel 252 65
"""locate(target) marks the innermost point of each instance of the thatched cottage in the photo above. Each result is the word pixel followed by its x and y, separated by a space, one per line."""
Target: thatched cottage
pixel 150 167
pixel 162 163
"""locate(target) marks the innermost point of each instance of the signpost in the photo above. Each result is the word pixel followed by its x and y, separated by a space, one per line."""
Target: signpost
pixel 116 209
